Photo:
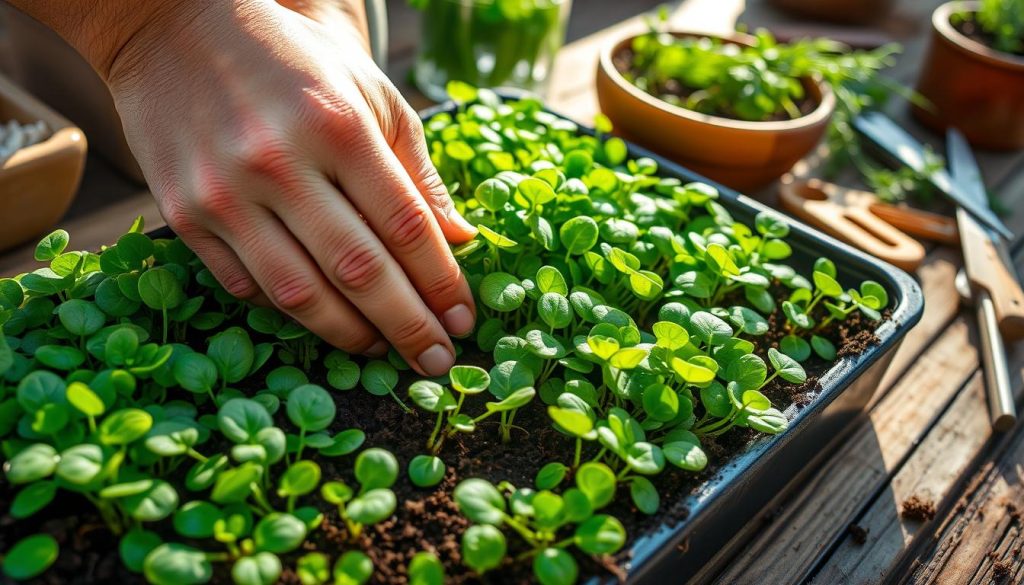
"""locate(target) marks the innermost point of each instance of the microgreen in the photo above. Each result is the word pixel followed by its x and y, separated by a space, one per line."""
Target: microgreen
pixel 1000 21
pixel 376 470
pixel 30 556
pixel 630 310
pixel 537 517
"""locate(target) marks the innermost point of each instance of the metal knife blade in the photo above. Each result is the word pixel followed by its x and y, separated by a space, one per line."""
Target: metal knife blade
pixel 904 148
pixel 964 168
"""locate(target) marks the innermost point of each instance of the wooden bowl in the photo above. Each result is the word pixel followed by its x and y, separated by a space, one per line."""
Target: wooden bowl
pixel 743 155
pixel 971 87
pixel 38 183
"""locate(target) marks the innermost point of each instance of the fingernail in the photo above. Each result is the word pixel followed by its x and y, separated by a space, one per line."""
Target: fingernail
pixel 377 349
pixel 436 360
pixel 459 320
pixel 455 217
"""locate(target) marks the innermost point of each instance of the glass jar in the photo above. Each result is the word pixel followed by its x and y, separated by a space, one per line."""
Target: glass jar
pixel 489 43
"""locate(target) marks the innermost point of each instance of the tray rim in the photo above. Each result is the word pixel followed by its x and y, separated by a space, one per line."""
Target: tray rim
pixel 646 549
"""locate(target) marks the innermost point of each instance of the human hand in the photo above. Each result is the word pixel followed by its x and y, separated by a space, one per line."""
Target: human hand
pixel 287 160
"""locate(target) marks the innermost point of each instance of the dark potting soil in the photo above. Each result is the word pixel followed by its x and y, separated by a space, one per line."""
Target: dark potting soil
pixel 1002 571
pixel 972 30
pixel 918 508
pixel 858 533
pixel 428 519
pixel 675 92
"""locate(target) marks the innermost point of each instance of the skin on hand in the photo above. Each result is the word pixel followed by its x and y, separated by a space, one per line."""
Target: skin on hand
pixel 292 166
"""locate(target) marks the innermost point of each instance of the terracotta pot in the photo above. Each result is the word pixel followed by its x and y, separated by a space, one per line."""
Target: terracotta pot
pixel 975 88
pixel 839 11
pixel 742 155
pixel 38 183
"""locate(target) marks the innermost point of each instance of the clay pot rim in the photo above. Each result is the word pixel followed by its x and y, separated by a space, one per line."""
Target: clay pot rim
pixel 819 115
pixel 941 23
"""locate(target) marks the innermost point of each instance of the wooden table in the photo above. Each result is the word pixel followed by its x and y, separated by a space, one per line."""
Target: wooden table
pixel 927 432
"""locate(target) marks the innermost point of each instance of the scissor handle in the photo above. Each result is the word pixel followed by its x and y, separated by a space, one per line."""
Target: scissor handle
pixel 855 223
pixel 923 224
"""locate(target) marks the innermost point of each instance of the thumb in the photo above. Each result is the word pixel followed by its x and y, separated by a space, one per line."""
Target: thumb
pixel 410 147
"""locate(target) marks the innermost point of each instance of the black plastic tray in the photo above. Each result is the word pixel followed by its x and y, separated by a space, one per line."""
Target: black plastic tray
pixel 739 490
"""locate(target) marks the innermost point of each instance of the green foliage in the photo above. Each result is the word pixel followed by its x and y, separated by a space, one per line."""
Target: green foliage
pixel 1002 21
pixel 767 80
pixel 623 305
pixel 30 556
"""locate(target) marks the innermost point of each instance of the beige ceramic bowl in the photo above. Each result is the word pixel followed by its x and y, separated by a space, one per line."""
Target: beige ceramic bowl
pixel 38 183
pixel 742 155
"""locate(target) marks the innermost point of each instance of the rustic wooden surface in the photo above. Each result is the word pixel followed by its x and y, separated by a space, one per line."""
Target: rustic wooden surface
pixel 926 433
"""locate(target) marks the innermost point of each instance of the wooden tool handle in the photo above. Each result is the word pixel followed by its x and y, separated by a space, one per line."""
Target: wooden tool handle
pixel 855 225
pixel 986 270
pixel 923 224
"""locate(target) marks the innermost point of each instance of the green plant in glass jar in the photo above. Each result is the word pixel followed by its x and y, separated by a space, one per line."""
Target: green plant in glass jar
pixel 488 43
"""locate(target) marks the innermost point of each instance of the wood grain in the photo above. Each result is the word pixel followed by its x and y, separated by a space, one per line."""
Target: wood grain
pixel 926 431
pixel 807 525
pixel 985 527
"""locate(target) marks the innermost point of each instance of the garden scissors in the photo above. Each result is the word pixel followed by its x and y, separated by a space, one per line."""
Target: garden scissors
pixel 862 219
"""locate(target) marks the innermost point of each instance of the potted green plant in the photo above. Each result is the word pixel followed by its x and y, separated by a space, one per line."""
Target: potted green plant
pixel 635 324
pixel 488 43
pixel 973 74
pixel 739 109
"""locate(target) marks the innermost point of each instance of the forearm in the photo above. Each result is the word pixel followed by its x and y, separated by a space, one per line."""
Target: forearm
pixel 101 29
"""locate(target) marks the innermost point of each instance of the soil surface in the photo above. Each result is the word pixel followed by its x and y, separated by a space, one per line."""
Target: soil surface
pixel 918 508
pixel 675 92
pixel 858 533
pixel 1002 570
pixel 971 29
pixel 428 519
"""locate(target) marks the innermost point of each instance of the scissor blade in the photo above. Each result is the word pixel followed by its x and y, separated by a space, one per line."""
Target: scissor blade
pixel 964 168
pixel 903 147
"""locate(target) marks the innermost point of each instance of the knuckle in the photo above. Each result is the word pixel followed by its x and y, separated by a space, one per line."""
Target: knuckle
pixel 446 287
pixel 413 125
pixel 294 294
pixel 435 192
pixel 334 114
pixel 359 269
pixel 407 227
pixel 267 153
pixel 238 284
pixel 414 330
pixel 179 219
pixel 358 342
pixel 215 203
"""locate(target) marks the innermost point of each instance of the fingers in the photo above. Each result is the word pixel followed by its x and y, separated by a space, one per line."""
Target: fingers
pixel 410 146
pixel 364 271
pixel 376 183
pixel 225 266
pixel 295 285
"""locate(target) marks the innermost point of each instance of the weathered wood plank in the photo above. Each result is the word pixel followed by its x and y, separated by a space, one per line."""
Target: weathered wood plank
pixel 785 551
pixel 936 275
pixel 934 473
pixel 984 528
